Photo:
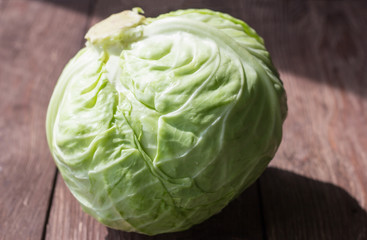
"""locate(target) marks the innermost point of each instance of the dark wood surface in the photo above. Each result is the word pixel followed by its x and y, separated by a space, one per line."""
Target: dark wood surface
pixel 316 186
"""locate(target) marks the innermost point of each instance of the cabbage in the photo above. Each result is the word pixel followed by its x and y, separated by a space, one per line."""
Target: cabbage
pixel 158 123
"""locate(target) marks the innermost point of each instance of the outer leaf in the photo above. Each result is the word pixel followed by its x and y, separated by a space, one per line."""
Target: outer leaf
pixel 158 123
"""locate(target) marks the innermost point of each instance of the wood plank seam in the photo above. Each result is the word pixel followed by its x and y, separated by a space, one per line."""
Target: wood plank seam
pixel 91 7
pixel 261 209
pixel 50 201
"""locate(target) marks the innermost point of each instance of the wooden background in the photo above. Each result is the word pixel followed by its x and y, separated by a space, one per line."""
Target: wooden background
pixel 315 188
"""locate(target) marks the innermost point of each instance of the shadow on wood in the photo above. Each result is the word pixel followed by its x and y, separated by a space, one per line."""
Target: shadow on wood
pixel 297 207
pixel 316 41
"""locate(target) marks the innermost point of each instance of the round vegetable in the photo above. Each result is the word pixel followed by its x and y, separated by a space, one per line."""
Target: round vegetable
pixel 158 123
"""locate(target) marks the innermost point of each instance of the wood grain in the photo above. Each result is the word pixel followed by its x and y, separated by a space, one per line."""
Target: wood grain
pixel 3 4
pixel 298 207
pixel 320 51
pixel 315 187
pixel 36 39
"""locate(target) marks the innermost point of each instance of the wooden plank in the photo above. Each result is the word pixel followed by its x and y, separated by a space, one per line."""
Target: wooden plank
pixel 3 5
pixel 319 48
pixel 33 47
pixel 298 207
pixel 240 220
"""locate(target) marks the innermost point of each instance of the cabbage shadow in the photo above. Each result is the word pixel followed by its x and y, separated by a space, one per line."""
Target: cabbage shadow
pixel 297 207
pixel 281 205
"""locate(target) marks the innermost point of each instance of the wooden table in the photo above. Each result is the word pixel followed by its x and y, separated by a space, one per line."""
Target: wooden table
pixel 316 186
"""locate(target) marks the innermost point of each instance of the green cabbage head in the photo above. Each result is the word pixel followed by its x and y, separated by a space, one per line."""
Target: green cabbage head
pixel 158 123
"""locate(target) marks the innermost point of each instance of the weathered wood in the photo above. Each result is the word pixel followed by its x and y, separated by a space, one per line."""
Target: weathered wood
pixel 319 48
pixel 36 39
pixel 315 188
pixel 3 5
pixel 297 207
